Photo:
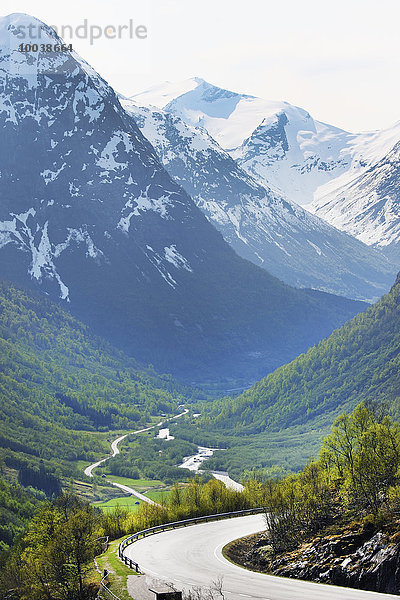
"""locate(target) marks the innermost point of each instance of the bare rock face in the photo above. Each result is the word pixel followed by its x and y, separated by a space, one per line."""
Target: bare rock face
pixel 348 560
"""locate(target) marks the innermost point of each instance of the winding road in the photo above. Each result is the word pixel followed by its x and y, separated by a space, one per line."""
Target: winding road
pixel 227 481
pixel 192 557
pixel 115 450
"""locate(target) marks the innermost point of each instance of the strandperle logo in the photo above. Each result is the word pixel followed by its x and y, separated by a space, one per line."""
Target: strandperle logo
pixel 85 31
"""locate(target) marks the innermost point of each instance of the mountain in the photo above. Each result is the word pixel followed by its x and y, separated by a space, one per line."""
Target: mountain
pixel 58 380
pixel 258 223
pixel 359 362
pixel 309 162
pixel 276 142
pixel 90 216
pixel 279 422
pixel 368 206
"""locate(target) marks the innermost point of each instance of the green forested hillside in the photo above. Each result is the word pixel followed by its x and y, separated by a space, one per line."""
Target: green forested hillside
pixel 358 362
pixel 56 378
pixel 16 509
pixel 286 414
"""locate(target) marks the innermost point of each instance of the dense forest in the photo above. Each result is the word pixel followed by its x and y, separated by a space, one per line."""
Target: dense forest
pixel 55 555
pixel 60 386
pixel 57 380
pixel 84 382
pixel 17 506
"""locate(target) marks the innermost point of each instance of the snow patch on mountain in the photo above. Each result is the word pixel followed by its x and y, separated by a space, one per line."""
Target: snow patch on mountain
pixel 157 261
pixel 311 163
pixel 259 223
pixel 141 204
pixel 31 237
pixel 87 102
pixel 175 258
pixel 50 176
pixel 18 231
pixel 111 152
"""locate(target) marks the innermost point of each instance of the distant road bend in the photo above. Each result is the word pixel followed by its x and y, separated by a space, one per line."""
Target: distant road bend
pixel 115 450
pixel 192 557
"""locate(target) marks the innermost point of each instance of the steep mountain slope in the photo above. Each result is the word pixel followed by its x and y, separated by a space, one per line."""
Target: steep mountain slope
pixel 368 206
pixel 276 142
pixel 359 362
pixel 89 215
pixel 310 162
pixel 259 224
pixel 57 377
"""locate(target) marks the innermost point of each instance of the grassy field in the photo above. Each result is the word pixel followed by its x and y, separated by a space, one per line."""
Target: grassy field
pixel 158 495
pixel 136 484
pixel 132 503
pixel 128 502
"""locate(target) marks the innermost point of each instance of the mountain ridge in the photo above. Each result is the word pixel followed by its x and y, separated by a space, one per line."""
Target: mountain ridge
pixel 259 224
pixel 282 146
pixel 95 219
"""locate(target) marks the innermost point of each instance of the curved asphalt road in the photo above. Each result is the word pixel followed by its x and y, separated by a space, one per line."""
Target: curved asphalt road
pixel 192 556
pixel 115 450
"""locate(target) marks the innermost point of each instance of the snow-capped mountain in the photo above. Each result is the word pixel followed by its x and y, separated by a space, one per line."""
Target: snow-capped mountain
pixel 258 223
pixel 72 163
pixel 90 216
pixel 368 205
pixel 309 162
pixel 276 142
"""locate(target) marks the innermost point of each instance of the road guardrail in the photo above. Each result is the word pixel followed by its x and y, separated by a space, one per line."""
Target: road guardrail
pixel 174 525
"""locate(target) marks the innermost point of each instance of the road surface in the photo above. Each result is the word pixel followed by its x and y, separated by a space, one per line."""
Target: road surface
pixel 193 462
pixel 128 490
pixel 192 556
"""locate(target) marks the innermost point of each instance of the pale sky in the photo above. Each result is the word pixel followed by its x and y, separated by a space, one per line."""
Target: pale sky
pixel 339 60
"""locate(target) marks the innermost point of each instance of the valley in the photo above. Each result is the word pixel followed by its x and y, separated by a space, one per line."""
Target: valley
pixel 199 315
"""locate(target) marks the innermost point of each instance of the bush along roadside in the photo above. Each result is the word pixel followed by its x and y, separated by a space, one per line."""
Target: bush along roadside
pixel 337 521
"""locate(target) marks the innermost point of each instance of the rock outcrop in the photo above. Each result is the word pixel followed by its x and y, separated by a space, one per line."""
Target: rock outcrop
pixel 349 560
pixel 358 560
